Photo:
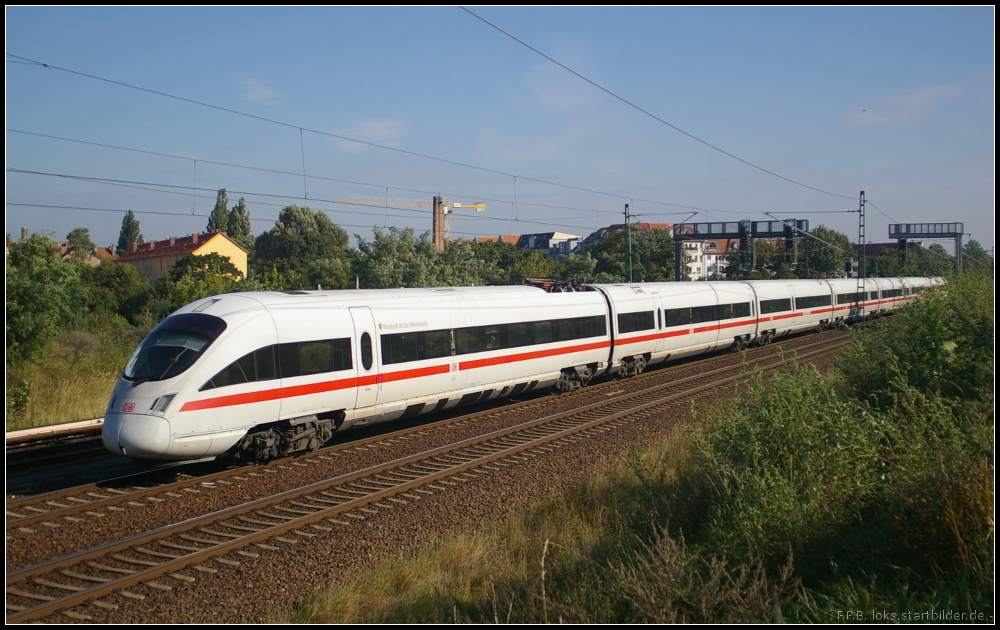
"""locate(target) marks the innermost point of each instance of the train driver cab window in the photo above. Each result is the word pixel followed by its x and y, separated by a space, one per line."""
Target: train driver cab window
pixel 366 351
pixel 173 346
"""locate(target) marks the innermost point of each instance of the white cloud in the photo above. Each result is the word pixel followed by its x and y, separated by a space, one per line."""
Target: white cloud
pixel 519 147
pixel 905 109
pixel 376 130
pixel 257 91
pixel 557 89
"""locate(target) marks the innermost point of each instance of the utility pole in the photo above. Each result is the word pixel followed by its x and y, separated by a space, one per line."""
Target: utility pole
pixel 861 234
pixel 862 293
pixel 437 223
pixel 628 229
pixel 958 252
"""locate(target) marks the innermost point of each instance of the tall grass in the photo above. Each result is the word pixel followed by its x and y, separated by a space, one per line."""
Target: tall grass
pixel 871 492
pixel 73 378
pixel 575 558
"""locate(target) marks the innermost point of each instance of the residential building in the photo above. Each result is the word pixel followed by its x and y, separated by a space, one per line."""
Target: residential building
pixel 640 229
pixel 100 253
pixel 553 245
pixel 503 238
pixel 155 258
pixel 707 259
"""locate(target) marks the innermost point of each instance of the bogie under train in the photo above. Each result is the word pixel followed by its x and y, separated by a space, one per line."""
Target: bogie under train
pixel 257 375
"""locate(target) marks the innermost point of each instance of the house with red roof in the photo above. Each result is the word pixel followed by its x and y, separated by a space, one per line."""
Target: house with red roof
pixel 155 258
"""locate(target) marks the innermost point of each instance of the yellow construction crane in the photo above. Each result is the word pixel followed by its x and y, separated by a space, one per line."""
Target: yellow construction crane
pixel 442 211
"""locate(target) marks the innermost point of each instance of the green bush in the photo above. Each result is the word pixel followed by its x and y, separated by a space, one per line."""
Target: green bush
pixel 942 342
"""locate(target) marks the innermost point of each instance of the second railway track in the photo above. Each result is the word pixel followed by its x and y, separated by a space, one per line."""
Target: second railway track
pixel 25 512
pixel 184 552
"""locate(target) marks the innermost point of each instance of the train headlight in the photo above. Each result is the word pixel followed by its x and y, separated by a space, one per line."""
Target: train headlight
pixel 160 405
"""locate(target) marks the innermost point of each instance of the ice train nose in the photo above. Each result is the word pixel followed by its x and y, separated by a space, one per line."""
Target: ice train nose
pixel 139 436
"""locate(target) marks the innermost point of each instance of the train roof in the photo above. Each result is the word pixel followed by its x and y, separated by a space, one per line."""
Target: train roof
pixel 369 296
pixel 232 302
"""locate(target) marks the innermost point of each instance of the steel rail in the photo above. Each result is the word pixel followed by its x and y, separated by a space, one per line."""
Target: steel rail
pixel 84 498
pixel 437 469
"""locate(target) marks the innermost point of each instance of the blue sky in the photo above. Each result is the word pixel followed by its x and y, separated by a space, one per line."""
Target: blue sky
pixel 898 102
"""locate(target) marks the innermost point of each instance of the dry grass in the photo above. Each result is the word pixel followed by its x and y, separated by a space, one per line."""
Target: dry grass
pixel 594 555
pixel 71 380
pixel 54 398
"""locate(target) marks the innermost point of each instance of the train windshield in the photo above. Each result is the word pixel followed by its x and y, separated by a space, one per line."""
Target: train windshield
pixel 173 347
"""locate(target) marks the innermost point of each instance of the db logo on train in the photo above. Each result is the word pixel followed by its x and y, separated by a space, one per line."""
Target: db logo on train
pixel 127 407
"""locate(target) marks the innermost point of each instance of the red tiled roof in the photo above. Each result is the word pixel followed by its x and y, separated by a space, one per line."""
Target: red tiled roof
pixel 173 246
pixel 641 226
pixel 721 244
pixel 506 238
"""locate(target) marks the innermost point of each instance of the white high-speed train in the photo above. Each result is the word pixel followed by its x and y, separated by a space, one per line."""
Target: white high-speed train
pixel 258 375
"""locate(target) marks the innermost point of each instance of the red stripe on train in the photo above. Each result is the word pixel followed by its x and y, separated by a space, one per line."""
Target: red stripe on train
pixel 685 331
pixel 278 393
pixel 527 356
pixel 387 377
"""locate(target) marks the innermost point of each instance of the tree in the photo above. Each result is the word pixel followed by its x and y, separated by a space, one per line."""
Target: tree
pixel 219 218
pixel 44 295
pixel 238 225
pixel 579 266
pixel 463 264
pixel 933 261
pixel 828 260
pixel 534 265
pixel 398 259
pixel 652 256
pixel 195 277
pixel 119 288
pixel 299 237
pixel 79 245
pixel 885 264
pixel 129 234
pixel 977 257
pixel 330 273
pixel 499 258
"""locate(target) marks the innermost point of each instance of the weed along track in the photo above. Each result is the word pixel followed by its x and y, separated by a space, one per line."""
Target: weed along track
pixel 199 557
pixel 119 507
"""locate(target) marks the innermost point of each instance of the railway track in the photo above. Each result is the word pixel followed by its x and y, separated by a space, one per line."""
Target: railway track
pixel 35 447
pixel 197 548
pixel 29 511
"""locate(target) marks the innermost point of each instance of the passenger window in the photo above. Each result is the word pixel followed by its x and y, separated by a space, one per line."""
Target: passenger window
pixel 288 360
pixel 366 351
pixel 315 357
pixel 543 332
pixel 517 335
pixel 438 344
pixel 492 337
pixel 469 340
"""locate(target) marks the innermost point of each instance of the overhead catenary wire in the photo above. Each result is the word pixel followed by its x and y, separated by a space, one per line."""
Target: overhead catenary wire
pixel 182 190
pixel 180 214
pixel 328 134
pixel 330 179
pixel 649 114
pixel 20 60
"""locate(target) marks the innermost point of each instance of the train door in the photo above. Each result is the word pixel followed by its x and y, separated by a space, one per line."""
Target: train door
pixel 365 353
